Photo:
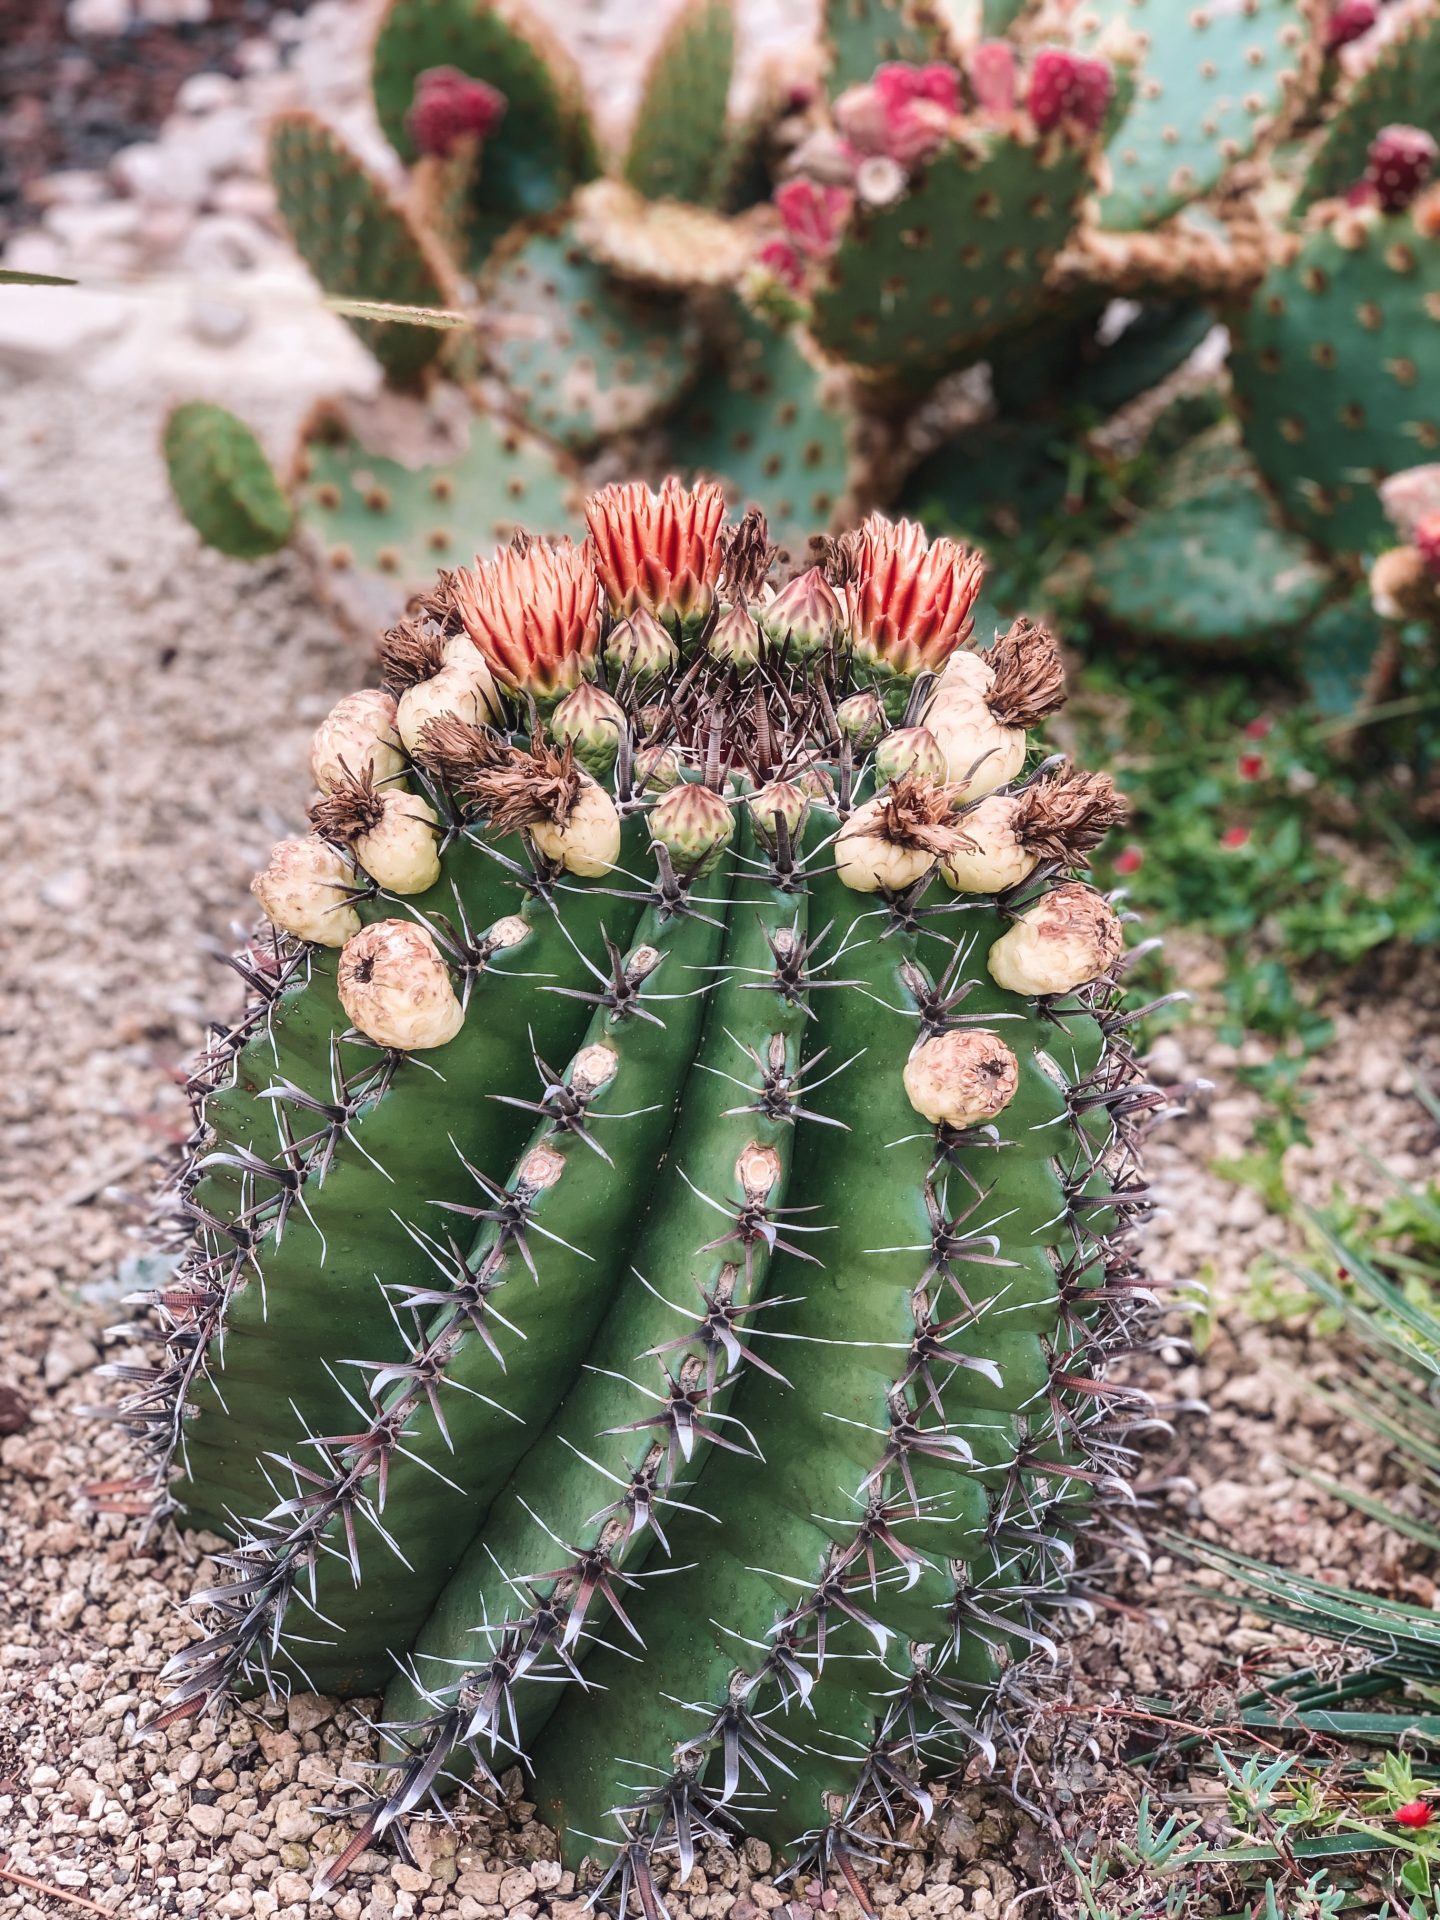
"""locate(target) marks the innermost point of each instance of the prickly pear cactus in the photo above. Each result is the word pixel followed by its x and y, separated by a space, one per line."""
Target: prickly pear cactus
pixel 1215 81
pixel 1206 564
pixel 1330 365
pixel 544 145
pixel 224 482
pixel 1401 87
pixel 677 146
pixel 683 1125
pixel 356 241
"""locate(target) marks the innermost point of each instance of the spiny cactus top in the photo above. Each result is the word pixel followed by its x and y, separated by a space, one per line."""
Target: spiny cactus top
pixel 653 1243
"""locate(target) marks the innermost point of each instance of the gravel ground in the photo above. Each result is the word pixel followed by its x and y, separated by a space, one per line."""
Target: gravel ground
pixel 155 703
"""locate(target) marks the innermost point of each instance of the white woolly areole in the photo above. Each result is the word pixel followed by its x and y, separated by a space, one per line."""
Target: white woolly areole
pixel 401 854
pixel 962 1078
pixel 506 933
pixel 396 988
pixel 356 737
pixel 592 1068
pixel 980 753
pixel 451 694
pixel 866 861
pixel 1065 940
pixel 589 842
pixel 306 891
pixel 994 858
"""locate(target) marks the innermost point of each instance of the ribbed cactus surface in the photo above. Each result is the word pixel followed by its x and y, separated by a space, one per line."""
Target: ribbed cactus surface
pixel 654 1242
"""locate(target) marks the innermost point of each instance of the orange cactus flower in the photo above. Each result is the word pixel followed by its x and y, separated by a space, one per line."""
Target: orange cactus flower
pixel 534 612
pixel 911 599
pixel 659 551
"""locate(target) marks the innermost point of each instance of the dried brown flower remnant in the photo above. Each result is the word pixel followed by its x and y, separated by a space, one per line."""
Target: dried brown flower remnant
pixel 749 553
pixel 352 806
pixel 1029 678
pixel 516 789
pixel 412 651
pixel 892 841
pixel 1066 814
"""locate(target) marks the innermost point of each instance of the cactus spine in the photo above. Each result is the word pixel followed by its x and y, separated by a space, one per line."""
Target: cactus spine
pixel 646 1197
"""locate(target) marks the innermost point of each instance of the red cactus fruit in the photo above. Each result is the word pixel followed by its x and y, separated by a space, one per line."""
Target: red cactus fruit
pixel 1398 164
pixel 1064 86
pixel 780 258
pixel 448 105
pixel 1427 543
pixel 1348 21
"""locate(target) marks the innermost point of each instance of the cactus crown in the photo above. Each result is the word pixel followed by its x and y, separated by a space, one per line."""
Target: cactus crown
pixel 704 1175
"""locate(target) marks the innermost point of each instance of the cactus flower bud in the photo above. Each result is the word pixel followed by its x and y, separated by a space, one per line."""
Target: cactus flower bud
pixel 534 614
pixel 593 724
pixel 662 551
pixel 911 599
pixel 451 694
pixel 587 841
pixel 641 648
pixel 862 719
pixel 401 851
pixel 448 106
pixel 694 825
pixel 963 1078
pixel 657 768
pixel 306 891
pixel 804 616
pixel 396 989
pixel 735 636
pixel 910 750
pixel 1070 937
pixel 357 737
pixel 779 800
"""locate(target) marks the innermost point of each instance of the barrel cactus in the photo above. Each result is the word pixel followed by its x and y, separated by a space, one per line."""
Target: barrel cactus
pixel 655 1241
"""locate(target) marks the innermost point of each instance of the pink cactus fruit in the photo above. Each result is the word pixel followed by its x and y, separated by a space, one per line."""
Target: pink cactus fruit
pixel 1398 164
pixel 449 106
pixel 1068 88
pixel 1348 21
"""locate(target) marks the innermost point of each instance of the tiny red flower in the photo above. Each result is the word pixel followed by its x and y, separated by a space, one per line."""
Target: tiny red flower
pixel 1128 860
pixel 1234 836
pixel 1250 765
pixel 781 259
pixel 1257 729
pixel 1415 1813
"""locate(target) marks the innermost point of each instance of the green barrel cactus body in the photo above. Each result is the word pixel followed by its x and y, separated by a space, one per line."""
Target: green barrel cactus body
pixel 654 1242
